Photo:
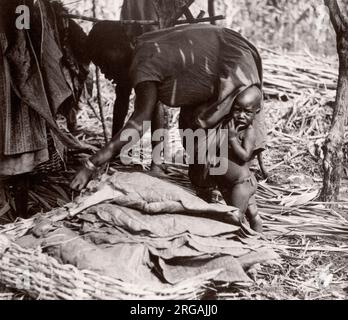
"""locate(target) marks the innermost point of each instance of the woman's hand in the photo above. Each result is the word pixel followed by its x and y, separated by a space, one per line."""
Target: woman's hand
pixel 81 179
pixel 145 102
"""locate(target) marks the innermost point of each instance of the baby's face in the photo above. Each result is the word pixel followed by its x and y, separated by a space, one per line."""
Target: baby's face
pixel 243 116
pixel 246 106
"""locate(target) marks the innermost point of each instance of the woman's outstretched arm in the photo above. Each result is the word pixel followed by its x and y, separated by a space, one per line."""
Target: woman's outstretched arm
pixel 146 100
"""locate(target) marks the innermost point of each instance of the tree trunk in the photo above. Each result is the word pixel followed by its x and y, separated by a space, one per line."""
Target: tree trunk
pixel 333 148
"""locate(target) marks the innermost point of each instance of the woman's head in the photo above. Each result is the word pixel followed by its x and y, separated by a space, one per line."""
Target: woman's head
pixel 246 105
pixel 109 47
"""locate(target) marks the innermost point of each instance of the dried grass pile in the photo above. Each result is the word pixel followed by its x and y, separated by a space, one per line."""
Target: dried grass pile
pixel 291 74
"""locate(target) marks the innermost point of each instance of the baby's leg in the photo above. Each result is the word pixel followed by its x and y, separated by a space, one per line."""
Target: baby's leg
pixel 241 195
pixel 232 186
pixel 252 212
pixel 253 217
pixel 238 197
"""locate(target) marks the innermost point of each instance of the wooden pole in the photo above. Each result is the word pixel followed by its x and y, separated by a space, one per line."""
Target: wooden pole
pixel 144 22
pixel 211 10
pixel 208 19
pixel 99 98
pixel 94 19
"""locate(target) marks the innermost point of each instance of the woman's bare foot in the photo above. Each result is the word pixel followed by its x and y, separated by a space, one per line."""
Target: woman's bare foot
pixel 234 218
pixel 205 194
pixel 157 170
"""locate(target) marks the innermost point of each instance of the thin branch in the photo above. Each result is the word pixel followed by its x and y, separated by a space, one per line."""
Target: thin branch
pixel 99 97
pixel 208 19
pixel 142 22
pixel 81 17
pixel 201 15
pixel 169 11
pixel 42 29
pixel 189 16
pixel 186 6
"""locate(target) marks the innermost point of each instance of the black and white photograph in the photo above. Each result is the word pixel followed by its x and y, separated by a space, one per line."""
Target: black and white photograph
pixel 174 150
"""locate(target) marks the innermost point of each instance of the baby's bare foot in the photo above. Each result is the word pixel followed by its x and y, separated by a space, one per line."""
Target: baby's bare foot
pixel 256 224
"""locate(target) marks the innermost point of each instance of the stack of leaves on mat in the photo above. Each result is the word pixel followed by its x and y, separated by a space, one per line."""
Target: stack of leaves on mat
pixel 141 231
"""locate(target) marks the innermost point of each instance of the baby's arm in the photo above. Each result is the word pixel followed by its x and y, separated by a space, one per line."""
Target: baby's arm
pixel 243 151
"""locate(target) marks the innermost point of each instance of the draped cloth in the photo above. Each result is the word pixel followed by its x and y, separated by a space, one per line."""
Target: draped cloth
pixel 33 85
pixel 20 127
pixel 37 78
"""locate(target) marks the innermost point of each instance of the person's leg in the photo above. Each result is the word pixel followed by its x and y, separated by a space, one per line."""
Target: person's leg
pixel 158 166
pixel 69 111
pixel 2 194
pixel 202 183
pixel 236 196
pixel 235 190
pixel 262 166
pixel 119 116
pixel 121 106
pixel 252 214
pixel 21 195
